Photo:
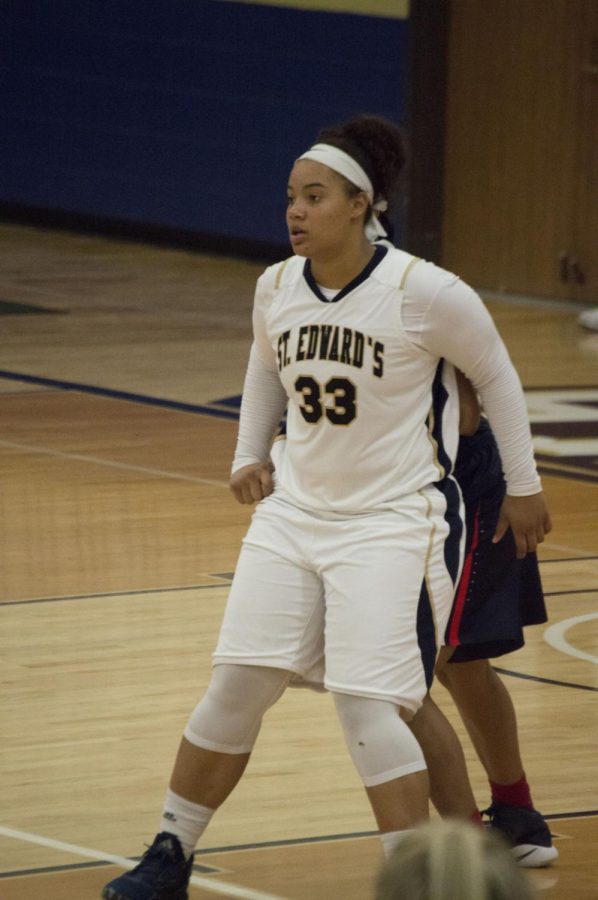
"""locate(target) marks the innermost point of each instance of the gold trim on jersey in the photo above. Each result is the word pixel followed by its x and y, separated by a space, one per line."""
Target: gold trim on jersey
pixel 408 267
pixel 427 563
pixel 280 272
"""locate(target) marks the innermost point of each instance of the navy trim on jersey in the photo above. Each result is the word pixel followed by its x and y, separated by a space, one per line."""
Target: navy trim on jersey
pixel 379 254
pixel 426 634
pixel 439 398
pixel 452 545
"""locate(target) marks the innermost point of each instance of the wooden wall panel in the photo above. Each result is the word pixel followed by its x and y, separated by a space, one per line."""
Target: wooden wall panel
pixel 512 142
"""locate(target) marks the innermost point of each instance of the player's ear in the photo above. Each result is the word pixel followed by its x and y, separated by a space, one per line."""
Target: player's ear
pixel 360 204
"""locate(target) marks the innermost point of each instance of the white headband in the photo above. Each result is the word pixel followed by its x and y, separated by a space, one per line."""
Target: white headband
pixel 341 162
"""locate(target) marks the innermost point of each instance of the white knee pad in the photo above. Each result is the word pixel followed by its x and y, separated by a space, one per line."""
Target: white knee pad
pixel 381 745
pixel 228 717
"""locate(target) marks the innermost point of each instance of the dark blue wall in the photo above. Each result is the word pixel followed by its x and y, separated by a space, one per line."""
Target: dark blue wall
pixel 185 114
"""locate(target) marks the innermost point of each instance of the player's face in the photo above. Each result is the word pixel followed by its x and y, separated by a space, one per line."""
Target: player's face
pixel 321 215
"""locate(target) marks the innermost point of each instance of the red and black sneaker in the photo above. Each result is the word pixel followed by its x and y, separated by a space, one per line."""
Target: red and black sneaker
pixel 526 831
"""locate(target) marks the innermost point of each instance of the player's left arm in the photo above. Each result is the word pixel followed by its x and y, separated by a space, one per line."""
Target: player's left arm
pixel 469 406
pixel 458 327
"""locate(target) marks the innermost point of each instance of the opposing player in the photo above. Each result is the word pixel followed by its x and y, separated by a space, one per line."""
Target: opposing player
pixel 351 559
pixel 499 593
pixel 497 596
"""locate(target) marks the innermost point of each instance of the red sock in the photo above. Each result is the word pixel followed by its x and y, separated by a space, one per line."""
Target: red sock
pixel 476 819
pixel 517 794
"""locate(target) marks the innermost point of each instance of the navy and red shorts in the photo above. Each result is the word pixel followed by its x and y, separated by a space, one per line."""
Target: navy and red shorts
pixel 498 594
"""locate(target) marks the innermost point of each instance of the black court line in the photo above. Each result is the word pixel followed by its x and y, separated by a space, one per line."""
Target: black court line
pixel 203 587
pixel 567 559
pixel 561 387
pixel 198 868
pixel 552 681
pixel 226 579
pixel 48 870
pixel 14 308
pixel 121 395
pixel 228 408
pixel 260 845
pixel 587 477
pixel 325 838
pixel 168 590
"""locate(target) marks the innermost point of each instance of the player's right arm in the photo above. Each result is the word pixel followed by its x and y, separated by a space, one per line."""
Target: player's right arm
pixel 262 407
pixel 252 483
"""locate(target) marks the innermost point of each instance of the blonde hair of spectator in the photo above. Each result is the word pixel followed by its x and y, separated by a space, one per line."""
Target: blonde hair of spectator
pixel 452 860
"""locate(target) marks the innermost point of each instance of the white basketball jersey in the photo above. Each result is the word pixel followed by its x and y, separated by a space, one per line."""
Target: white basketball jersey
pixel 371 416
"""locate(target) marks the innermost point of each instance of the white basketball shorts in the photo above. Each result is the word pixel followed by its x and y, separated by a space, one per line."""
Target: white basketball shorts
pixel 358 604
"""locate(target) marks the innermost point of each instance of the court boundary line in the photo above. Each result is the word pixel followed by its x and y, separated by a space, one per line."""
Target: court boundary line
pixel 113 464
pixel 546 466
pixel 226 581
pixel 115 394
pixel 567 559
pixel 555 637
pixel 541 680
pixel 108 594
pixel 99 864
pixel 228 889
pixel 258 845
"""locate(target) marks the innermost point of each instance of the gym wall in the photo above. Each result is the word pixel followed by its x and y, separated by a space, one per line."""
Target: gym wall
pixel 184 116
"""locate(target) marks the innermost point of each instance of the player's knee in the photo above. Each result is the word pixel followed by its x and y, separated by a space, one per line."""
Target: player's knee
pixel 228 717
pixel 381 745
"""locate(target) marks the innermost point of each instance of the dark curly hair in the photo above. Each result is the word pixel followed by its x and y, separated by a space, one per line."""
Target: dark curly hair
pixel 378 146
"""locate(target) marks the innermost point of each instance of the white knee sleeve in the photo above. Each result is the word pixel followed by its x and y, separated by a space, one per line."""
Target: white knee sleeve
pixel 228 717
pixel 381 745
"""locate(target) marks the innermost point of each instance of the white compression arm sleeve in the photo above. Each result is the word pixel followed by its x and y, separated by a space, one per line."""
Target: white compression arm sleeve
pixel 446 317
pixel 262 407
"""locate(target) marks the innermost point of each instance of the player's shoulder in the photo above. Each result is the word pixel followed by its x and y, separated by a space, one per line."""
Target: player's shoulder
pixel 422 280
pixel 402 270
pixel 394 265
pixel 281 273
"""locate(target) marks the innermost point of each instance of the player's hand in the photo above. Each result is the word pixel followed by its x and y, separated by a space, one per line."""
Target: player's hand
pixel 529 520
pixel 252 483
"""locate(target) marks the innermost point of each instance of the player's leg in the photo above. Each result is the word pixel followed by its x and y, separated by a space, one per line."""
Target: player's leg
pixel 488 714
pixel 388 595
pixel 389 761
pixel 212 757
pixel 450 788
pixel 264 638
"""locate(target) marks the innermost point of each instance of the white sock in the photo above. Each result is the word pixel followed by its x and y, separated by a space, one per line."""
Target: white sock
pixel 392 839
pixel 185 819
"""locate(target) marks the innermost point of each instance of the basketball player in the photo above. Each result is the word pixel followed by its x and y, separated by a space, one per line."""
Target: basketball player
pixel 497 596
pixel 357 548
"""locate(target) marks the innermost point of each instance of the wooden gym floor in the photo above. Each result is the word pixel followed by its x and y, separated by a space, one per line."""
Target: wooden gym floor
pixel 120 371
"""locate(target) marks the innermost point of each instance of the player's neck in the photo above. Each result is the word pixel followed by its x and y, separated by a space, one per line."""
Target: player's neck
pixel 339 270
